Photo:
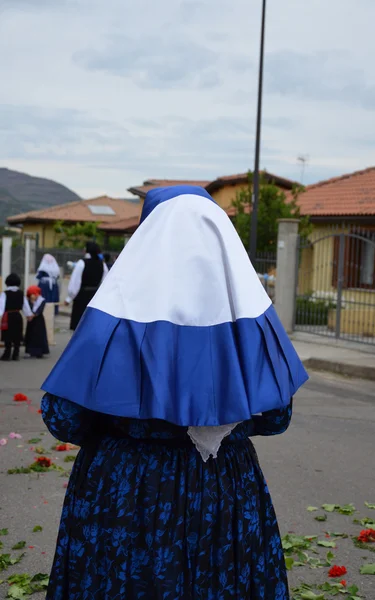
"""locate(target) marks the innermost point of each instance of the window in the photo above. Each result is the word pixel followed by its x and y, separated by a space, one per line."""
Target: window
pixel 358 263
pixel 101 210
pixel 367 264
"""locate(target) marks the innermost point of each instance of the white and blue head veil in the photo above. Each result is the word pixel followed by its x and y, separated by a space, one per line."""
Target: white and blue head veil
pixel 181 329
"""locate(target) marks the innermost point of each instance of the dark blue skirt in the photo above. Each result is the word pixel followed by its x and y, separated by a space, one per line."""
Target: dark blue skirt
pixel 145 518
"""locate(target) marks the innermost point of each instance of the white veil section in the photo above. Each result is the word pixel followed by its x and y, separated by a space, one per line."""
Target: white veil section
pixel 185 265
pixel 49 265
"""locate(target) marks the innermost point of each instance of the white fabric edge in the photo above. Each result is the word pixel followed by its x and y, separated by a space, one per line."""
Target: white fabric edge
pixel 37 304
pixel 208 440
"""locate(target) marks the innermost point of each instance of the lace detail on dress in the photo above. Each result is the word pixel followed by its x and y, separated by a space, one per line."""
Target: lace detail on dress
pixel 207 440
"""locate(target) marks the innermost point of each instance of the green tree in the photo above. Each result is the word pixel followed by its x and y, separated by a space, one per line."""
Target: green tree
pixel 76 236
pixel 273 205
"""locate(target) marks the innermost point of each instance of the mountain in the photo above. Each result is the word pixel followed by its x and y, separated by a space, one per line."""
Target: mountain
pixel 20 193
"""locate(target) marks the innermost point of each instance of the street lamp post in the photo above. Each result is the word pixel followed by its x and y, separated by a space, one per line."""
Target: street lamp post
pixel 255 199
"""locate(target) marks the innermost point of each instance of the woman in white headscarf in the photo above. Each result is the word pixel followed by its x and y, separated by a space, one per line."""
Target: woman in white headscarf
pixel 48 276
pixel 179 359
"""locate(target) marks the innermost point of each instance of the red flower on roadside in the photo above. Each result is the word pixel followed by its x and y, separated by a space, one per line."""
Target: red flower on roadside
pixel 20 398
pixel 43 461
pixel 337 571
pixel 367 536
pixel 343 583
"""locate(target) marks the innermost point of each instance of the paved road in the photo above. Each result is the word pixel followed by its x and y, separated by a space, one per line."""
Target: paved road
pixel 327 456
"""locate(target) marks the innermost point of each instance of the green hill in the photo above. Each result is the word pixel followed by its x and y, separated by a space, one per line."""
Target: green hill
pixel 21 193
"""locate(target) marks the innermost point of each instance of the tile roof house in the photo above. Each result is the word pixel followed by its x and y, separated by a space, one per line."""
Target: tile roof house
pixel 103 209
pixel 349 196
pixel 340 253
pixel 108 212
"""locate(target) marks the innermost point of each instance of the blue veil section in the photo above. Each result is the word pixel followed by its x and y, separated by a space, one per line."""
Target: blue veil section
pixel 159 195
pixel 189 376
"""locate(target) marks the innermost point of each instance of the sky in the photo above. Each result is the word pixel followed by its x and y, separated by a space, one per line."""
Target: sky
pixel 102 94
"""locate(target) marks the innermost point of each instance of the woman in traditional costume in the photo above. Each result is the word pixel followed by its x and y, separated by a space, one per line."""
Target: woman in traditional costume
pixel 180 358
pixel 48 276
pixel 36 341
pixel 88 273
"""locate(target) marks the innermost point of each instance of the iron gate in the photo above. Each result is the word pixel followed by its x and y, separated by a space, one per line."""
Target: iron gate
pixel 18 261
pixel 336 284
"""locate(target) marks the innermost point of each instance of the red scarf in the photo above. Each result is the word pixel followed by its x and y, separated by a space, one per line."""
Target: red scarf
pixel 4 322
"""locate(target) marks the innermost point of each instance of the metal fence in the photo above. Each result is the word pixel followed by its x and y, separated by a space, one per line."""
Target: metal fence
pixel 336 284
pixel 265 266
pixel 265 263
pixel 18 262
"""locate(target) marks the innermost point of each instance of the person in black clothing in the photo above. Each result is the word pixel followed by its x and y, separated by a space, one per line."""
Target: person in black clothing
pixel 85 280
pixel 108 260
pixel 36 333
pixel 12 302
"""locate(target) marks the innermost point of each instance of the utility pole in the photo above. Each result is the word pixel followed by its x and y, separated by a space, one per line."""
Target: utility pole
pixel 255 199
pixel 303 159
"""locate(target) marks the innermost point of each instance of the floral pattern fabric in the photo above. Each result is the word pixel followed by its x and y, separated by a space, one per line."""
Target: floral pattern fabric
pixel 145 518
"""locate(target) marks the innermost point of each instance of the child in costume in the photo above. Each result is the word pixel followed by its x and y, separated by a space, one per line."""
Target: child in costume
pixel 36 333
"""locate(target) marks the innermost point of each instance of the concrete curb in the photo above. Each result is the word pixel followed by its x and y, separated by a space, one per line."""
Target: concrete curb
pixel 348 370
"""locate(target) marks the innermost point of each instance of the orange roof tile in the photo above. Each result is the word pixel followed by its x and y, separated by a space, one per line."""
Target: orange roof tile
pixel 210 186
pixel 80 212
pixel 351 194
pixel 123 225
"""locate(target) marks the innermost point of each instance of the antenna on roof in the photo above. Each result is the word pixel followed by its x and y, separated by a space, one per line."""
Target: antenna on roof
pixel 303 159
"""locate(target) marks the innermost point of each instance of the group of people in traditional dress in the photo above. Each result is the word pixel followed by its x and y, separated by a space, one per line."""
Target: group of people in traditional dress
pixel 13 302
pixel 85 280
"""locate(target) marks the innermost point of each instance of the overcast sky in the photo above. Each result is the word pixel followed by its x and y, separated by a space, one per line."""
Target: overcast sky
pixel 102 94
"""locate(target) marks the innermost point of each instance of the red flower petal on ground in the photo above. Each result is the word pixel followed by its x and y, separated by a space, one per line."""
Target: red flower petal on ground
pixel 343 583
pixel 43 461
pixel 20 398
pixel 31 547
pixel 337 571
pixel 327 535
pixel 367 536
pixel 62 447
pixel 40 411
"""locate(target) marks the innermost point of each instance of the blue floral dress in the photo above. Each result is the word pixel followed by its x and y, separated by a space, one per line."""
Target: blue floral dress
pixel 145 518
